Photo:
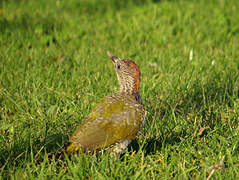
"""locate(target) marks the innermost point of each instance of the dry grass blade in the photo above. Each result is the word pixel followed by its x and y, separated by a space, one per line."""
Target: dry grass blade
pixel 202 129
pixel 216 166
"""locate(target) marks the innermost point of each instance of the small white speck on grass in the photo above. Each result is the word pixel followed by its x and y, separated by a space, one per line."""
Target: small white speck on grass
pixel 213 62
pixel 191 55
pixel 153 64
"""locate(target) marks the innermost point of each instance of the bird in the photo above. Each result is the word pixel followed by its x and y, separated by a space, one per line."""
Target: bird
pixel 117 118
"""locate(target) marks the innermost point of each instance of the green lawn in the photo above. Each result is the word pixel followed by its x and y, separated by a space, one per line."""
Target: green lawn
pixel 53 69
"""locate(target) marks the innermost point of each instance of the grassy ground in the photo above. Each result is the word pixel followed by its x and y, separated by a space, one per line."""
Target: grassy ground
pixel 53 70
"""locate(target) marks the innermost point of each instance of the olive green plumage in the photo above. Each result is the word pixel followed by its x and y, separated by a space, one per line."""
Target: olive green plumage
pixel 116 118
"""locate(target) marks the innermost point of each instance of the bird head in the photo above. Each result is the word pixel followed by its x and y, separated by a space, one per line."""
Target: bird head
pixel 127 72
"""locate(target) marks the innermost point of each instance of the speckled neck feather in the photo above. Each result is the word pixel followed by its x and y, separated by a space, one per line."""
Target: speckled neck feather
pixel 135 74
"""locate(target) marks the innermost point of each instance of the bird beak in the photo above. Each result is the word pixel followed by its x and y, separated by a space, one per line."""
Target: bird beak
pixel 112 57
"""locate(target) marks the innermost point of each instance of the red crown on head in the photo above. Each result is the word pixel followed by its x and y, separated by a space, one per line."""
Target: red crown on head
pixel 135 72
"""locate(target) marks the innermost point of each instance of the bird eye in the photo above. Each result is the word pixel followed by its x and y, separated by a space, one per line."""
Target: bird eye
pixel 118 67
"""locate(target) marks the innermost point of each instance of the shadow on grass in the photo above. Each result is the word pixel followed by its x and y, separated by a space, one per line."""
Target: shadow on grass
pixel 152 145
pixel 23 150
pixel 26 22
pixel 92 7
pixel 54 142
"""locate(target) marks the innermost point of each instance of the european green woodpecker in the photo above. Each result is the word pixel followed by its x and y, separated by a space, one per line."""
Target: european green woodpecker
pixel 116 119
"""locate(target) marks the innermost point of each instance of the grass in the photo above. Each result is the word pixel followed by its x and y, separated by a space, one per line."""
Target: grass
pixel 53 70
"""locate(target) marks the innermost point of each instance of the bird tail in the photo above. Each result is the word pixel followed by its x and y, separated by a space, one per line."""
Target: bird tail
pixel 72 149
pixel 68 149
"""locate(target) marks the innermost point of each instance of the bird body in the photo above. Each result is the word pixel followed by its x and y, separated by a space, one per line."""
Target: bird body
pixel 116 119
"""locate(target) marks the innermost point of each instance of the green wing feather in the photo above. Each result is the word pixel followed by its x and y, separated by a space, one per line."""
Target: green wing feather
pixel 113 119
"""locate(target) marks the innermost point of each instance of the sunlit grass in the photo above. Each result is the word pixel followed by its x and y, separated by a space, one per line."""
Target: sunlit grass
pixel 53 69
